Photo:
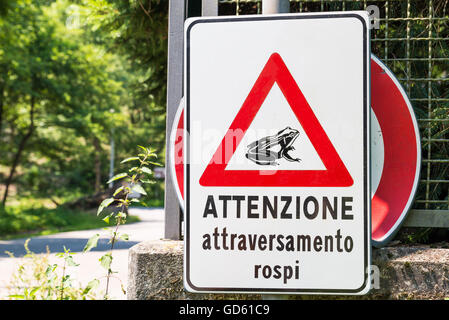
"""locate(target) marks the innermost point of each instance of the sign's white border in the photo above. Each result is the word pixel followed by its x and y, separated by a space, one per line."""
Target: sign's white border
pixel 362 16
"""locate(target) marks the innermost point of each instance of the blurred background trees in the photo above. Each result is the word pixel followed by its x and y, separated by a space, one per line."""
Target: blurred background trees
pixel 75 75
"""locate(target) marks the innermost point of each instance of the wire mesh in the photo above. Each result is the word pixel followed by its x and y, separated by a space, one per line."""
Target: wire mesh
pixel 413 41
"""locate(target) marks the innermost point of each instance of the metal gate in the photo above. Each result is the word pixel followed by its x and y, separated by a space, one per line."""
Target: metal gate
pixel 412 38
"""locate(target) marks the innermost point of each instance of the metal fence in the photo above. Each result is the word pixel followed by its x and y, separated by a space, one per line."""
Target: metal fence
pixel 412 40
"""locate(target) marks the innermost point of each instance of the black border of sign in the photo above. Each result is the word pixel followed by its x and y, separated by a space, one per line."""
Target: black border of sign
pixel 365 155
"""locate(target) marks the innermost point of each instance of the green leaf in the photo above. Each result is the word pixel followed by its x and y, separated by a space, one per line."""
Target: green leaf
pixel 70 262
pixel 116 192
pixel 155 163
pixel 91 243
pixel 106 261
pixel 138 188
pixel 148 181
pixel 104 204
pixel 143 148
pixel 124 237
pixel 146 170
pixel 16 296
pixel 92 285
pixel 106 219
pixel 33 292
pixel 49 271
pixel 121 215
pixel 118 176
pixel 66 279
pixel 130 159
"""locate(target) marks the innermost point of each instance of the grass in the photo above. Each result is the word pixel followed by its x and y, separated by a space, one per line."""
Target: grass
pixel 151 203
pixel 27 218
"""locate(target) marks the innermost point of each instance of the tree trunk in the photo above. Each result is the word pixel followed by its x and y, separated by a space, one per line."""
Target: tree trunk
pixel 19 152
pixel 2 95
pixel 2 101
pixel 98 150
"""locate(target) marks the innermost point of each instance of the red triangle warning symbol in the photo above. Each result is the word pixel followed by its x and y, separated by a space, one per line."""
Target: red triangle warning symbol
pixel 335 175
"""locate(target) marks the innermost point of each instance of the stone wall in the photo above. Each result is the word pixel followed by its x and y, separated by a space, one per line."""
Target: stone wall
pixel 156 269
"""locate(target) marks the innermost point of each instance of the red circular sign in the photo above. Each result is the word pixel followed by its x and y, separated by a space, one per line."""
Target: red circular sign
pixel 402 153
pixel 396 163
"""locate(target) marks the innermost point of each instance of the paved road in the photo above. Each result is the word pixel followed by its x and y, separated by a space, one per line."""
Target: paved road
pixel 150 227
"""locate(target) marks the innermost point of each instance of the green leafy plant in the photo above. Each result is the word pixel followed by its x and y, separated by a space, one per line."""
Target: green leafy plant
pixel 38 279
pixel 123 196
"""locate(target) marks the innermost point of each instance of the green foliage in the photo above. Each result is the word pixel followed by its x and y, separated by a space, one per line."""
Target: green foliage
pixel 68 84
pixel 106 261
pixel 421 236
pixel 104 204
pixel 31 216
pixel 427 236
pixel 5 5
pixel 92 243
pixel 133 181
pixel 36 278
pixel 137 30
pixel 420 90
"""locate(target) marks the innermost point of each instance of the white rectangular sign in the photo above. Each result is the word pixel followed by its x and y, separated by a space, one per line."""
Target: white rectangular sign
pixel 277 179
